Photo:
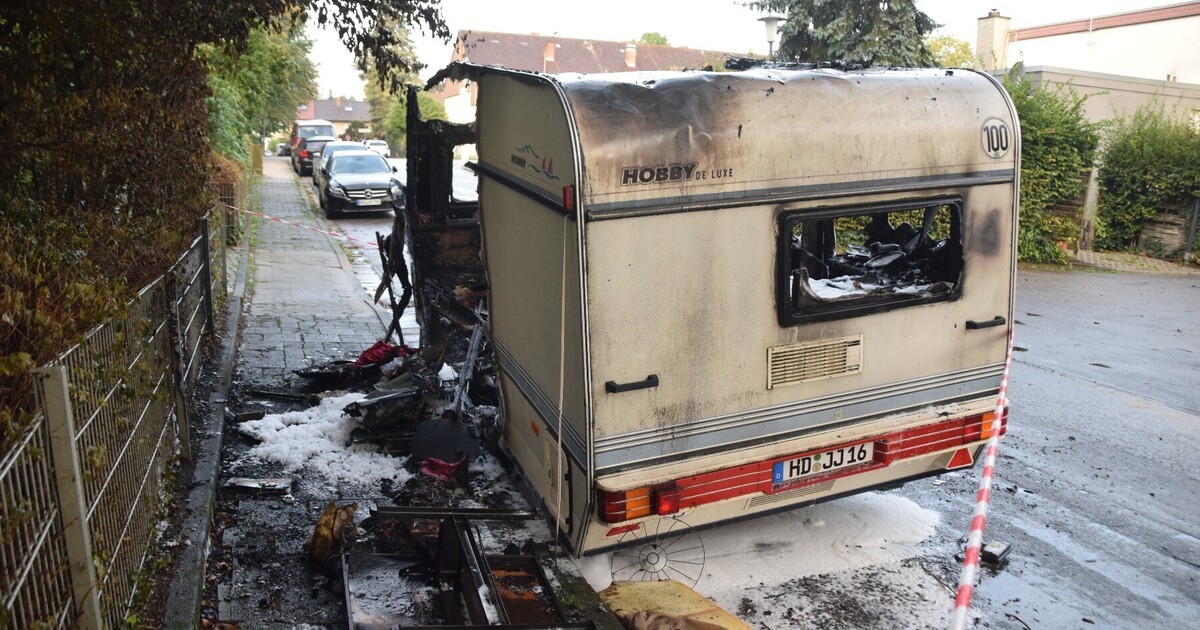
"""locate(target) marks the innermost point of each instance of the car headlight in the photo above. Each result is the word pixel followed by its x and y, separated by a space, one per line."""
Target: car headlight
pixel 337 191
pixel 396 191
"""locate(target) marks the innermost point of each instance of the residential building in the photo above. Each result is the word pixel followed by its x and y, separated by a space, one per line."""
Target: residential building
pixel 553 54
pixel 1118 61
pixel 339 111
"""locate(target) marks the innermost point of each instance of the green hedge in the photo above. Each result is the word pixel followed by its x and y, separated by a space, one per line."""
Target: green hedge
pixel 1058 145
pixel 1151 164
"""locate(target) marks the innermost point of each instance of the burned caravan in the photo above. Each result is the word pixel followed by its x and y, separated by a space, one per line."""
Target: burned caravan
pixel 716 295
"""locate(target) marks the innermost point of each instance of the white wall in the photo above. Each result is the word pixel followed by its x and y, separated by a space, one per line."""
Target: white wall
pixel 1155 50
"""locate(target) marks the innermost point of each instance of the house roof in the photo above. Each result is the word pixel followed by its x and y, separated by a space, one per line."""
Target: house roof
pixel 553 54
pixel 1129 18
pixel 335 110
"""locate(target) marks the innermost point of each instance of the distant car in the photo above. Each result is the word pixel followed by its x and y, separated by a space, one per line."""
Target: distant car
pixel 302 154
pixel 282 149
pixel 331 147
pixel 359 181
pixel 380 147
pixel 309 129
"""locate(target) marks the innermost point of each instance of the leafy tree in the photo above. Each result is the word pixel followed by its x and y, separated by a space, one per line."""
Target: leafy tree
pixel 950 52
pixel 1150 164
pixel 355 131
pixel 654 39
pixel 1058 145
pixel 389 112
pixel 394 127
pixel 255 90
pixel 106 105
pixel 866 32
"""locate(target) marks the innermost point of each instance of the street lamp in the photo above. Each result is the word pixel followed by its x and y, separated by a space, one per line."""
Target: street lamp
pixel 772 24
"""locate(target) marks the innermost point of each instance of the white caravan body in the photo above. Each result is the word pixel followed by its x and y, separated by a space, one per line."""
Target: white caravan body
pixel 716 295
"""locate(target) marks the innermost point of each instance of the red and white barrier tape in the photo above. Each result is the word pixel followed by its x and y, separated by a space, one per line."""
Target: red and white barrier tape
pixel 307 227
pixel 970 568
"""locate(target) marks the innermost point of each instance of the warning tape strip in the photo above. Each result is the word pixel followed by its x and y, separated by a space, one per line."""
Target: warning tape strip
pixel 306 227
pixel 970 568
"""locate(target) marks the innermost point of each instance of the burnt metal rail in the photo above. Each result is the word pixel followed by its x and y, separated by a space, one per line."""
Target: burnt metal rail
pixel 473 588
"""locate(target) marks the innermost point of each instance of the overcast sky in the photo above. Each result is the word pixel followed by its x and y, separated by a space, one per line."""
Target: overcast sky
pixel 723 25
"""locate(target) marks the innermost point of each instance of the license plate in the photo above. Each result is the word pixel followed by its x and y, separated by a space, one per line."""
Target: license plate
pixel 818 463
pixel 369 202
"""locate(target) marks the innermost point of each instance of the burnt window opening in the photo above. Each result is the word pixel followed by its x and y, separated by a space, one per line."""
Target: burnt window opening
pixel 855 261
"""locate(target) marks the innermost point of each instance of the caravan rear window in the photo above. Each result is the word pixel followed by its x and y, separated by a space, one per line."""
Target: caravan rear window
pixel 846 262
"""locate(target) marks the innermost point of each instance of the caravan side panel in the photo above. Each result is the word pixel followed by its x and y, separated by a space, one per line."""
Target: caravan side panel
pixel 531 252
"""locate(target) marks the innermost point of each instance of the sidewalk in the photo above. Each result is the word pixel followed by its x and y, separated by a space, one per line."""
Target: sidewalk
pixel 305 302
pixel 304 305
pixel 1130 263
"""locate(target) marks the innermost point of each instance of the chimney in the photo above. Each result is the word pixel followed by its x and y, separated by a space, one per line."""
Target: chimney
pixel 631 56
pixel 991 43
pixel 548 53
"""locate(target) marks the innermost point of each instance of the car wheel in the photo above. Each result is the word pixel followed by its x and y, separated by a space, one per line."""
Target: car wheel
pixel 330 213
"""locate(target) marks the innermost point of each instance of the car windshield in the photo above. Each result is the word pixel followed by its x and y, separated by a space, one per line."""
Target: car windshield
pixel 359 164
pixel 330 149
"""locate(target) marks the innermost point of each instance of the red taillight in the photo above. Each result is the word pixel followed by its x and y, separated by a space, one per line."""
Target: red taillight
pixel 627 505
pixel 304 153
pixel 666 501
pixel 987 426
pixel 569 199
pixel 624 505
pixel 757 477
pixel 980 427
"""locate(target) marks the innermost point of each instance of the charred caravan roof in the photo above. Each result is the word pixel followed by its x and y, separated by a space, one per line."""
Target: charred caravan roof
pixel 656 139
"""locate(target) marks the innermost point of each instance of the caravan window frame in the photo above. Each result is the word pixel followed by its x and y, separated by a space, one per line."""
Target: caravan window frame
pixel 796 306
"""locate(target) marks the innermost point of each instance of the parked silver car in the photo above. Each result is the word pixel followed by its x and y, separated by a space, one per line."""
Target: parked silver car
pixel 329 149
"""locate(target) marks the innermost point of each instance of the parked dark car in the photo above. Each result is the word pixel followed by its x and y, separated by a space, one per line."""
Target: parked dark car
pixel 302 155
pixel 359 181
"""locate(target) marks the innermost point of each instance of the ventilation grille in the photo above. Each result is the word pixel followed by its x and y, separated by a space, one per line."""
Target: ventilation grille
pixel 768 499
pixel 814 361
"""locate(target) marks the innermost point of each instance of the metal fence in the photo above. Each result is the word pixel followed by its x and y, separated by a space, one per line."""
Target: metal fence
pixel 80 492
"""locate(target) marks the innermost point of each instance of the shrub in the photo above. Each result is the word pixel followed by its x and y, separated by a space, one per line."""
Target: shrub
pixel 1057 145
pixel 1151 164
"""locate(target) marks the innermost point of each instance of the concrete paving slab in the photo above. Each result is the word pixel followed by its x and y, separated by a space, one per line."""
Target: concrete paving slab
pixel 302 300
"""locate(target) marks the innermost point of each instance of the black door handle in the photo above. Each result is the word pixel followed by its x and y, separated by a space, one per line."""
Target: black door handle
pixel 998 321
pixel 614 387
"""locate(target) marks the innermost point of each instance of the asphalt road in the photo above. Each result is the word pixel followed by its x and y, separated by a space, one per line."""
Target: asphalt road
pixel 1096 482
pixel 1103 453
